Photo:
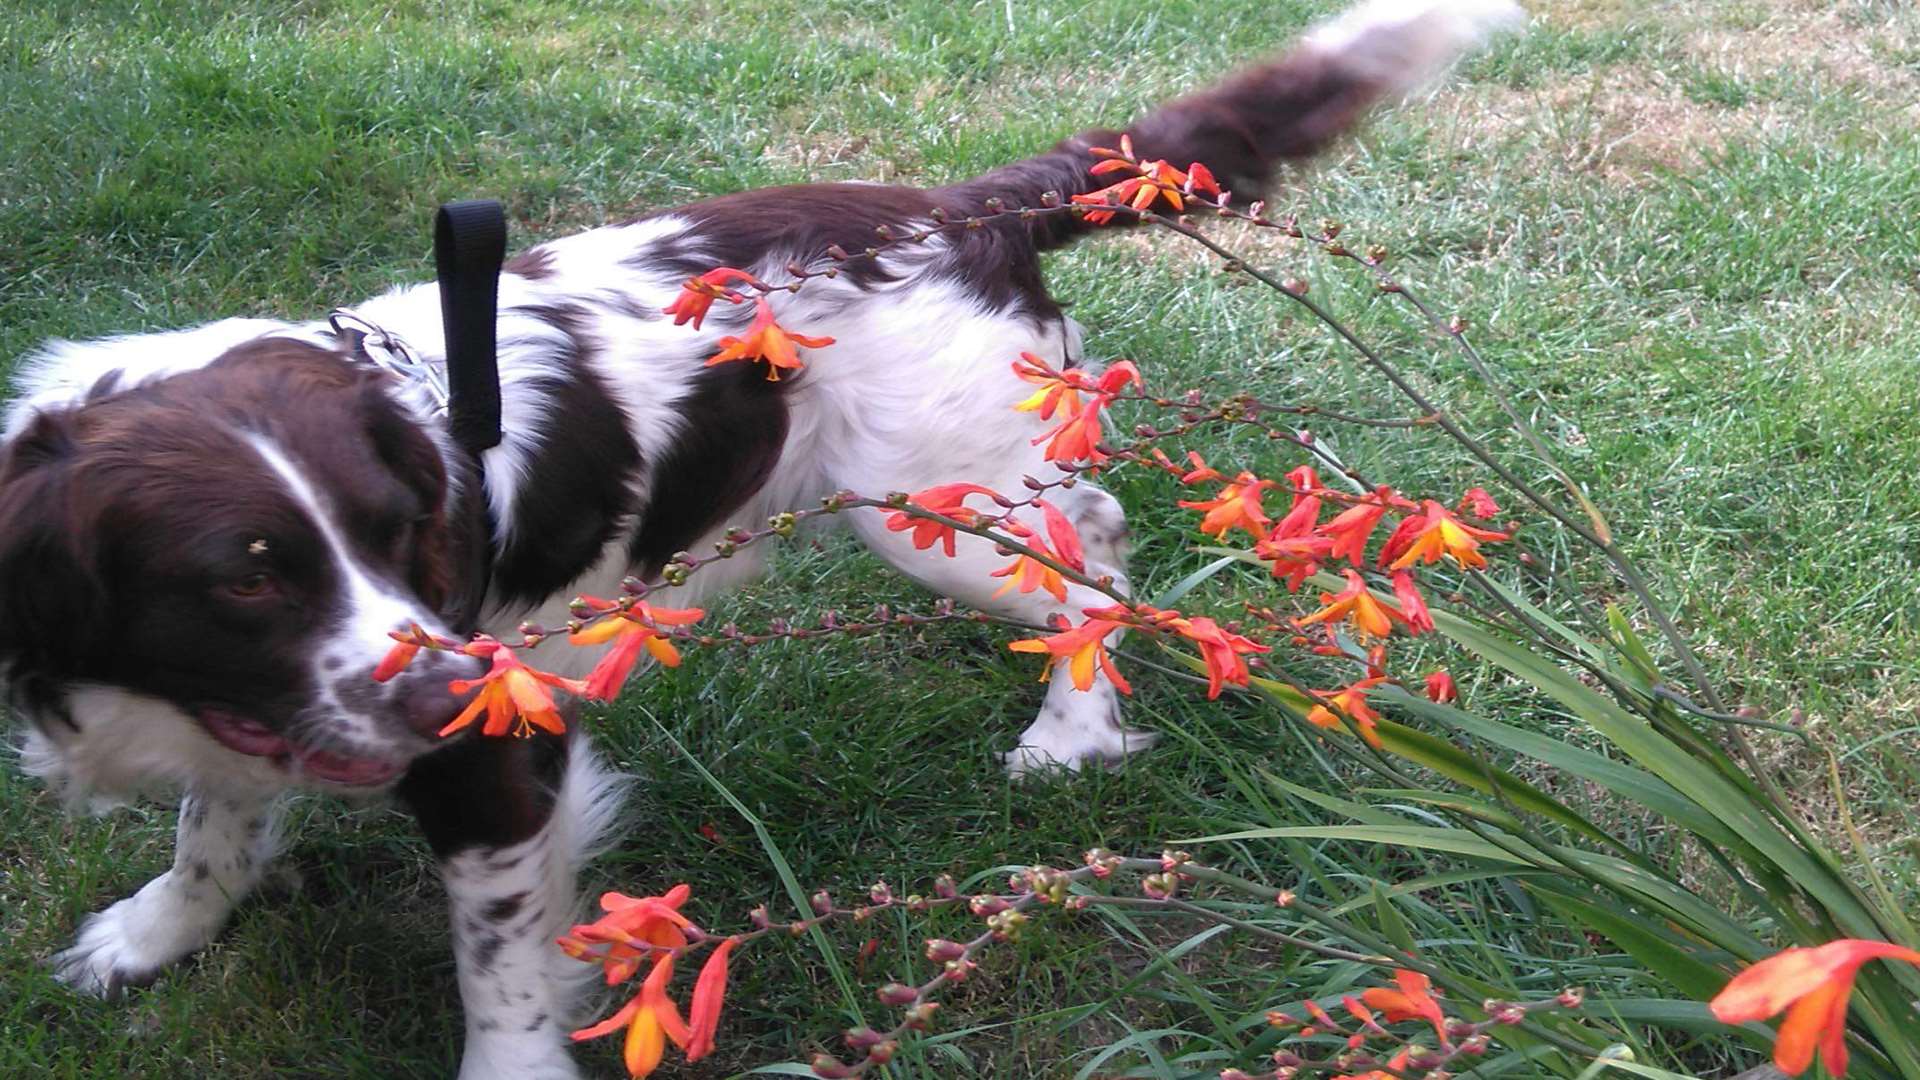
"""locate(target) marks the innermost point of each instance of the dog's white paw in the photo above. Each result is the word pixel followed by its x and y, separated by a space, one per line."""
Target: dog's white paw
pixel 1060 743
pixel 126 946
pixel 516 1056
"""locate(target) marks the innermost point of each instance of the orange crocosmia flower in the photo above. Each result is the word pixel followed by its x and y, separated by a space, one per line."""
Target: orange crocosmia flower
pixel 406 645
pixel 1083 647
pixel 1440 688
pixel 1027 573
pixel 1200 471
pixel 510 691
pixel 703 1017
pixel 947 500
pixel 1813 986
pixel 1221 651
pixel 1351 529
pixel 697 294
pixel 1059 390
pixel 1396 1069
pixel 1237 506
pixel 1350 701
pixel 1079 437
pixel 1436 532
pixel 1294 558
pixel 1371 618
pixel 1412 1001
pixel 1304 483
pixel 1478 503
pixel 633 928
pixel 1156 181
pixel 766 340
pixel 1419 619
pixel 396 660
pixel 633 630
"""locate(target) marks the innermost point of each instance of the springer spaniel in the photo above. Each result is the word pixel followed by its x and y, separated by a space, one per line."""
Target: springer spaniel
pixel 206 535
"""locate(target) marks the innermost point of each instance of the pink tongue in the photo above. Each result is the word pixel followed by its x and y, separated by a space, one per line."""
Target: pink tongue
pixel 345 770
pixel 240 734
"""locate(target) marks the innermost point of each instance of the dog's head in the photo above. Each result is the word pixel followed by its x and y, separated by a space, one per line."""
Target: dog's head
pixel 202 571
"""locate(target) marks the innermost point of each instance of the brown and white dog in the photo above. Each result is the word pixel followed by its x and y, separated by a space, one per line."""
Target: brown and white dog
pixel 206 535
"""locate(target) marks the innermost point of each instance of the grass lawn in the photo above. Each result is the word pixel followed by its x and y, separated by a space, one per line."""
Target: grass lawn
pixel 1689 233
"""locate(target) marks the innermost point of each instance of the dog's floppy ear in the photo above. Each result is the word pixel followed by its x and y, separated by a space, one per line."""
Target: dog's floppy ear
pixel 443 555
pixel 52 594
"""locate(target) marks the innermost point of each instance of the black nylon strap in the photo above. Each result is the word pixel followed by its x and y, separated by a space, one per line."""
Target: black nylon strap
pixel 469 244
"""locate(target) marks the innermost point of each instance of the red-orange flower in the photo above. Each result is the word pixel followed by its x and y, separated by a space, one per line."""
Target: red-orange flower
pixel 1237 506
pixel 1813 986
pixel 1352 528
pixel 637 930
pixel 510 691
pixel 1058 389
pixel 766 340
pixel 1427 536
pixel 947 500
pixel 697 294
pixel 633 630
pixel 1440 688
pixel 1200 471
pixel 1079 437
pixel 1419 619
pixel 633 929
pixel 407 645
pixel 396 660
pixel 1350 701
pixel 703 1018
pixel 1371 618
pixel 1220 650
pixel 1154 181
pixel 1027 573
pixel 1478 503
pixel 1083 647
pixel 1412 1001
pixel 1396 1069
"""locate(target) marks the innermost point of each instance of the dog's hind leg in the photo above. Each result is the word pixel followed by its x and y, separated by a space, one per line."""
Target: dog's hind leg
pixel 1074 727
pixel 223 843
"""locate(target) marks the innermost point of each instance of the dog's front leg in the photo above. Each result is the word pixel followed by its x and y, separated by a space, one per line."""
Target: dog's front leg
pixel 223 843
pixel 497 814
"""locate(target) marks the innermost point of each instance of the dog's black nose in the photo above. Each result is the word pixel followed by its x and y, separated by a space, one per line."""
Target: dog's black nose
pixel 425 699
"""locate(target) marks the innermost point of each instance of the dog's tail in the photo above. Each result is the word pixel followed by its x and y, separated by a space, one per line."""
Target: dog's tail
pixel 1287 108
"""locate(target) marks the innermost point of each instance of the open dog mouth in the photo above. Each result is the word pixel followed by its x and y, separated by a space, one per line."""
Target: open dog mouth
pixel 246 736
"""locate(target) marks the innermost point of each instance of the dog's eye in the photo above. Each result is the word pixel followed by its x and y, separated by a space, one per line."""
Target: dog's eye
pixel 252 587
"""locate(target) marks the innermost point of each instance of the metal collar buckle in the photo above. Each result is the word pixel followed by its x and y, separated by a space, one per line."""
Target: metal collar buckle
pixel 390 352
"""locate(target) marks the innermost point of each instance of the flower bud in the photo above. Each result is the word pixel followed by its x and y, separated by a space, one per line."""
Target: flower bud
pixel 861 1039
pixel 1160 886
pixel 1284 898
pixel 822 902
pixel 879 893
pixel 958 970
pixel 944 888
pixel 760 918
pixel 940 950
pixel 986 905
pixel 1174 860
pixel 1571 997
pixel 1007 924
pixel 828 1067
pixel 920 1017
pixel 883 1052
pixel 897 994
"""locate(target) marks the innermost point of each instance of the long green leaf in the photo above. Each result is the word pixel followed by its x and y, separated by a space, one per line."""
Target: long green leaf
pixel 1693 779
pixel 1661 953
